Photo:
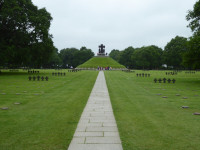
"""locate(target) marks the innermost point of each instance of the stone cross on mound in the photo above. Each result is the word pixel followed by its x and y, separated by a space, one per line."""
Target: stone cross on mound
pixel 101 50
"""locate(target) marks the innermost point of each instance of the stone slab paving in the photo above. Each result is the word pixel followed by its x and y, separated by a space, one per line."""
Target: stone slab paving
pixel 97 129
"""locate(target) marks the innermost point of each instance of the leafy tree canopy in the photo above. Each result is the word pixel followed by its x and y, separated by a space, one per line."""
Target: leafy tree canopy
pixel 148 57
pixel 74 57
pixel 174 50
pixel 24 31
pixel 115 54
pixel 191 58
pixel 125 57
pixel 194 18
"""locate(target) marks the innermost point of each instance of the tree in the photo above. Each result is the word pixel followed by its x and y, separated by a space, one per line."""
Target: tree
pixel 174 50
pixel 74 57
pixel 67 56
pixel 125 57
pixel 148 57
pixel 115 54
pixel 82 56
pixel 24 30
pixel 192 56
pixel 194 17
pixel 54 61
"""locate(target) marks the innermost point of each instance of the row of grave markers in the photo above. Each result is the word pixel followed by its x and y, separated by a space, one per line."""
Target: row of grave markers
pixel 171 73
pixel 164 80
pixel 143 75
pixel 129 71
pixel 58 73
pixel 38 78
pixel 33 71
pixel 190 72
pixel 74 70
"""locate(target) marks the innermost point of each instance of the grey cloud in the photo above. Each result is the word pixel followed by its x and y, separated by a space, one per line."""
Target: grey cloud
pixel 116 23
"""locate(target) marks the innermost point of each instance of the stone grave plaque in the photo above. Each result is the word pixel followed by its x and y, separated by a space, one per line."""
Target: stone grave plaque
pixel 4 108
pixel 164 97
pixel 17 103
pixel 185 106
pixel 196 113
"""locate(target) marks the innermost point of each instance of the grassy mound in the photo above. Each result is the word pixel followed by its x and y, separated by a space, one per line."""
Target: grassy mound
pixel 101 62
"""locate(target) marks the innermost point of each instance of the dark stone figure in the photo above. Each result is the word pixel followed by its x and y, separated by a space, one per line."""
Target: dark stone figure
pixel 29 78
pixel 34 78
pixel 155 80
pixel 164 80
pixel 38 78
pixel 101 49
pixel 173 80
pixel 42 78
pixel 169 80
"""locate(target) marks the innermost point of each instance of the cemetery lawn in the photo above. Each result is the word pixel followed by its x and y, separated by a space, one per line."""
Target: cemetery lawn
pixel 145 120
pixel 49 111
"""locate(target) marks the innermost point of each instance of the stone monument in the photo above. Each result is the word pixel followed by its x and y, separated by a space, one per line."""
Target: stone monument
pixel 101 50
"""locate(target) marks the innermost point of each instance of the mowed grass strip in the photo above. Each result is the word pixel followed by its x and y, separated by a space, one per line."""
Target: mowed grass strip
pixel 146 121
pixel 49 111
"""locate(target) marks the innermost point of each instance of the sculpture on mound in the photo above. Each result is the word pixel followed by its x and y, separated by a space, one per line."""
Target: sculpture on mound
pixel 101 50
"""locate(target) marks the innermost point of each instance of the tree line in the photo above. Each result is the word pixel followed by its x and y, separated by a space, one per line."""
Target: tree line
pixel 179 53
pixel 153 57
pixel 25 41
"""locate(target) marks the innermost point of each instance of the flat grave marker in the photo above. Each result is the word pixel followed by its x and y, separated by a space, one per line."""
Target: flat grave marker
pixel 196 113
pixel 185 107
pixel 4 108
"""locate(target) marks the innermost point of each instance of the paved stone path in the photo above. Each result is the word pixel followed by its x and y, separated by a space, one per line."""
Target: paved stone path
pixel 97 129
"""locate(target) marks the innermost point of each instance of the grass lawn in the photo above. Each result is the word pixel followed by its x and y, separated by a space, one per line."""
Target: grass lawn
pixel 146 121
pixel 49 111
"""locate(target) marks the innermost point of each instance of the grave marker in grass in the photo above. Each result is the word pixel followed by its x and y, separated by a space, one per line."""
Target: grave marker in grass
pixel 196 113
pixel 4 108
pixel 185 107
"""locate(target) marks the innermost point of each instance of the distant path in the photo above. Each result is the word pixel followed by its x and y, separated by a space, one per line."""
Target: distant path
pixel 97 129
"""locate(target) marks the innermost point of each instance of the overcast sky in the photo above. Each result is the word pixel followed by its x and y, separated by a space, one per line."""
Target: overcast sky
pixel 117 24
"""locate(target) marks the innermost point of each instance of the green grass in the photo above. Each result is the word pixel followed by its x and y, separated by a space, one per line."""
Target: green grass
pixel 101 62
pixel 146 121
pixel 49 111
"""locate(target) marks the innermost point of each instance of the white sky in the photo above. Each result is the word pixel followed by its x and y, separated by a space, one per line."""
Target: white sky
pixel 117 24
